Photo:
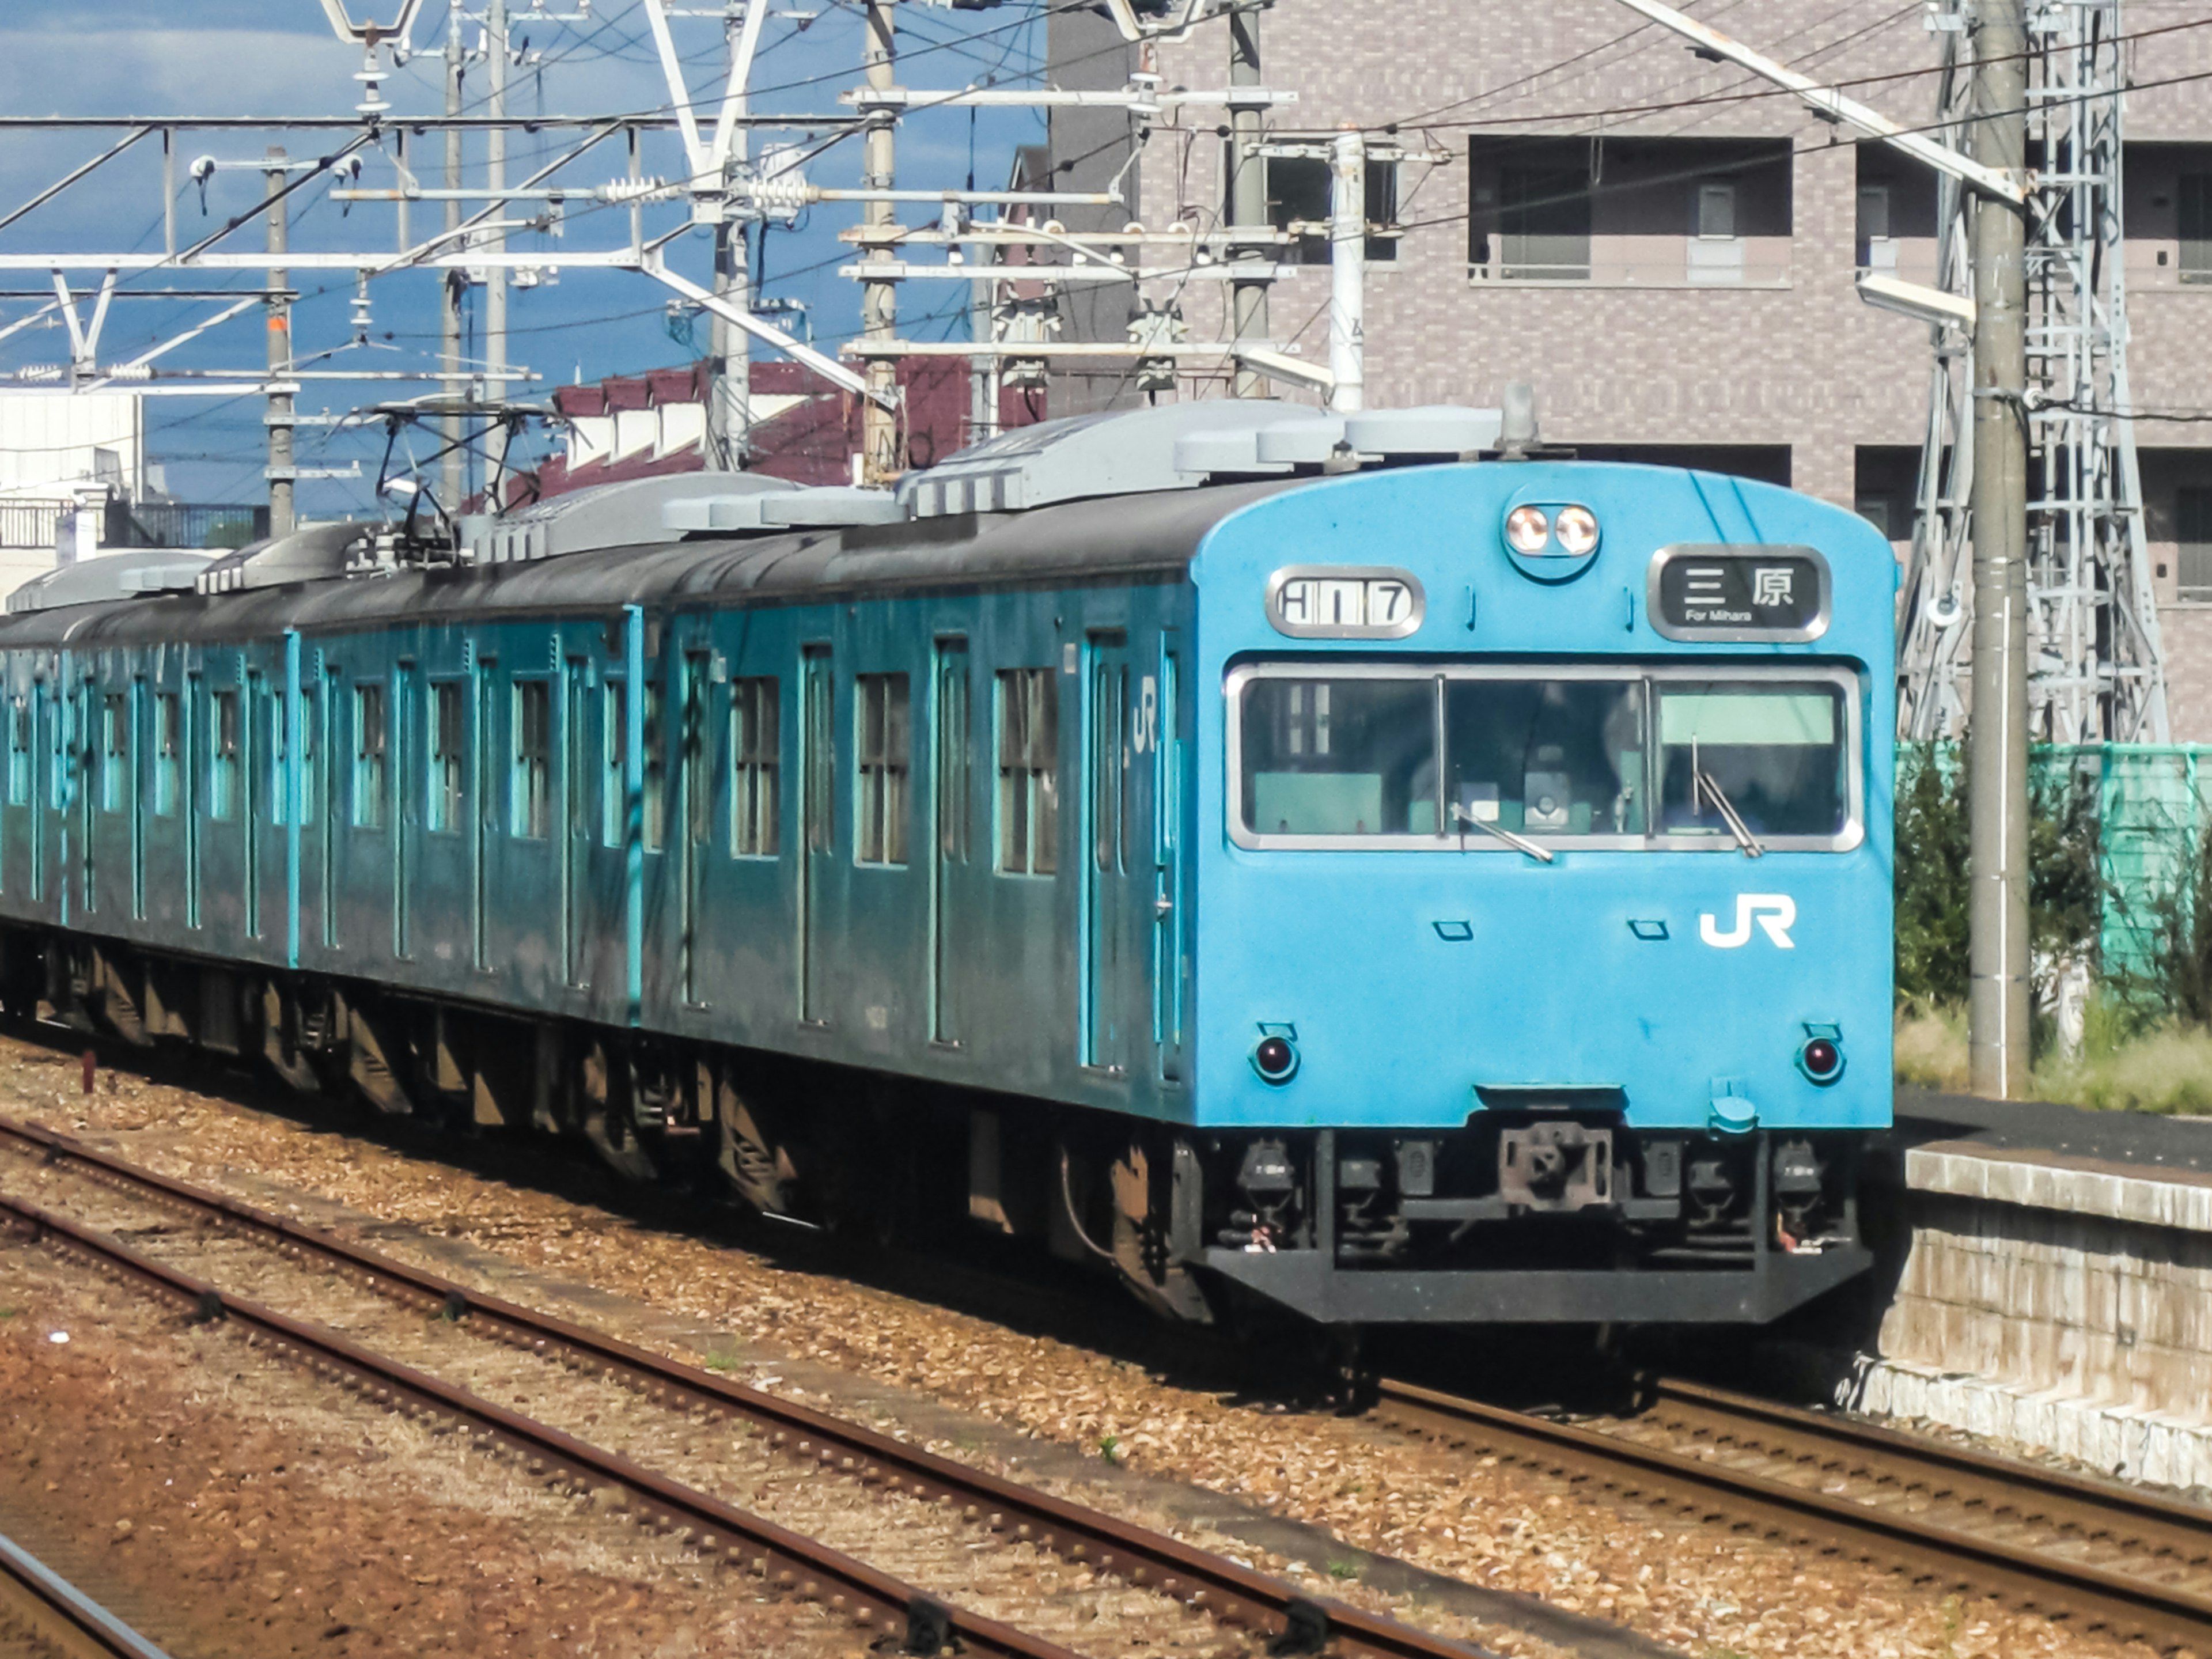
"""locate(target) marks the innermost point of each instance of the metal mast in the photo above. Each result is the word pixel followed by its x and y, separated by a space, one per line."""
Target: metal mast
pixel 2096 670
pixel 1931 633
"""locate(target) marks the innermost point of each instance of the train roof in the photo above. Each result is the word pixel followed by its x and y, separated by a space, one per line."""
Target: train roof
pixel 1154 534
pixel 1022 509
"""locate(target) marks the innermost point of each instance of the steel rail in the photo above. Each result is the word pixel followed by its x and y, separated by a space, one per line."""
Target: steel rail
pixel 2128 1606
pixel 1230 1594
pixel 2014 1491
pixel 793 1563
pixel 70 1621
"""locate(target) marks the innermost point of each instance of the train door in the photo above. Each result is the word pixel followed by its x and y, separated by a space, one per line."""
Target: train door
pixel 1113 973
pixel 334 748
pixel 1153 734
pixel 481 807
pixel 134 749
pixel 406 800
pixel 81 796
pixel 195 790
pixel 42 736
pixel 817 767
pixel 696 773
pixel 253 803
pixel 576 766
pixel 951 787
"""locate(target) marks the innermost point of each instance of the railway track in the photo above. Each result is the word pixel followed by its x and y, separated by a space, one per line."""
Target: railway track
pixel 2097 1555
pixel 43 1614
pixel 1093 1546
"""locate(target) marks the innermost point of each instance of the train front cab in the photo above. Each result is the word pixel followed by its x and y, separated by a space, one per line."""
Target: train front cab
pixel 1544 954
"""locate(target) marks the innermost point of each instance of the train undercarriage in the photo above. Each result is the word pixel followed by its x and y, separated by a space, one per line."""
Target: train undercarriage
pixel 1546 1212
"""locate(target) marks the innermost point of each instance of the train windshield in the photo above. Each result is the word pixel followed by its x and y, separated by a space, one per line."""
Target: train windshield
pixel 1772 753
pixel 1620 756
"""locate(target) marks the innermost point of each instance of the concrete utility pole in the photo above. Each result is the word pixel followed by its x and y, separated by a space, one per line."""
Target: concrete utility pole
pixel 279 418
pixel 1997 1006
pixel 1247 197
pixel 879 447
pixel 452 282
pixel 495 276
pixel 1347 276
pixel 729 369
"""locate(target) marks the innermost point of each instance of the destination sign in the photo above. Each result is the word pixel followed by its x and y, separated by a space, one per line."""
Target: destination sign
pixel 1736 593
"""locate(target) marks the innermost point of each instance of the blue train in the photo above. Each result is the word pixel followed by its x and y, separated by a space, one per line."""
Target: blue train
pixel 1360 865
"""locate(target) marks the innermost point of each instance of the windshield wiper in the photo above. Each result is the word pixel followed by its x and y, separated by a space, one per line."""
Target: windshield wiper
pixel 1519 843
pixel 1702 785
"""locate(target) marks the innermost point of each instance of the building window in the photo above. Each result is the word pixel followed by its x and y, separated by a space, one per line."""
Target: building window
pixel 168 751
pixel 448 755
pixel 881 757
pixel 614 764
pixel 656 768
pixel 532 786
pixel 2193 205
pixel 114 752
pixel 756 747
pixel 222 785
pixel 953 812
pixel 1876 247
pixel 1029 771
pixel 1541 212
pixel 369 738
pixel 1299 192
pixel 2192 513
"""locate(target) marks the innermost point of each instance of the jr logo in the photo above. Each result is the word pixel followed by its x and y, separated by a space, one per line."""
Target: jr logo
pixel 1775 913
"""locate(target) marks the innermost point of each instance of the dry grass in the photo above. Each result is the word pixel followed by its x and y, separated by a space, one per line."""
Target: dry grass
pixel 2165 1069
pixel 1931 1047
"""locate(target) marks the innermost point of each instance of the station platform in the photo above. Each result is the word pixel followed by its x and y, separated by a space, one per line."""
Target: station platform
pixel 2050 1275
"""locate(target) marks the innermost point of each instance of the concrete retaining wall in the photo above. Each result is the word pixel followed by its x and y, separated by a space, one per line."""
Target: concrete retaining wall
pixel 2057 1301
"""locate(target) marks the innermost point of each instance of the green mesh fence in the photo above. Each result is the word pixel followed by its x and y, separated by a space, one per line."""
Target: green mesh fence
pixel 2152 809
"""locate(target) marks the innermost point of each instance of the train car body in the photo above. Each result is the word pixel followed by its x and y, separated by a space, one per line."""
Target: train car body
pixel 1416 891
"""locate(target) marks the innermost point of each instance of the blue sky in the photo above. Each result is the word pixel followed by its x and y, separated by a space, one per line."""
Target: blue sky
pixel 260 57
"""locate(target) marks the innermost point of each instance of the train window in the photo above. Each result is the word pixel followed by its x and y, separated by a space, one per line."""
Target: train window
pixel 882 758
pixel 280 747
pixel 448 755
pixel 755 746
pixel 1769 752
pixel 656 769
pixel 1029 771
pixel 614 764
pixel 1544 756
pixel 1435 759
pixel 952 755
pixel 168 750
pixel 1110 778
pixel 368 741
pixel 280 793
pixel 533 785
pixel 18 751
pixel 114 751
pixel 698 755
pixel 226 747
pixel 1341 756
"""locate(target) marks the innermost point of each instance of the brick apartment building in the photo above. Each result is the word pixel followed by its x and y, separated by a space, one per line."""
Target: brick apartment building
pixel 1663 248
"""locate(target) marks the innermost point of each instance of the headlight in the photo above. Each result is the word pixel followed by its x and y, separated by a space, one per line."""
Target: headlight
pixel 1577 529
pixel 1527 530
